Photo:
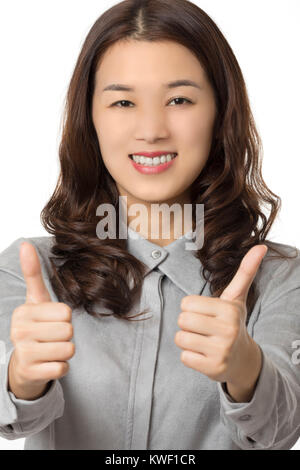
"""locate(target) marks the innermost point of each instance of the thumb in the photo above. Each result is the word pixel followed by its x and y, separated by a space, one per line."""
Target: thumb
pixel 30 264
pixel 239 286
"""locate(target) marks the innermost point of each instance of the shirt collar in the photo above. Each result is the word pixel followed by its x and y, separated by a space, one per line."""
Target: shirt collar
pixel 177 262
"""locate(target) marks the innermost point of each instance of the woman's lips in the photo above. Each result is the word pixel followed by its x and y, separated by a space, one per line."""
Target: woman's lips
pixel 152 170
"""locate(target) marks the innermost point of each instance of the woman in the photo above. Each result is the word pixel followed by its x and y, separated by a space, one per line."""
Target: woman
pixel 153 76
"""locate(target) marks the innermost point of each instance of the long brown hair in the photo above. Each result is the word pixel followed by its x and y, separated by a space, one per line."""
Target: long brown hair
pixel 231 185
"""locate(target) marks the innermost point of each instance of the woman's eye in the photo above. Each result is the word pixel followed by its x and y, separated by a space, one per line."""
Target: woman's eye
pixel 184 99
pixel 122 101
pixel 126 101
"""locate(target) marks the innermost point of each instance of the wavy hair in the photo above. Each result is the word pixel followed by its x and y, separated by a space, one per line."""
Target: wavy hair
pixel 230 186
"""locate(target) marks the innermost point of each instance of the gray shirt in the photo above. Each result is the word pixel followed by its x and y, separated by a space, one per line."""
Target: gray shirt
pixel 127 387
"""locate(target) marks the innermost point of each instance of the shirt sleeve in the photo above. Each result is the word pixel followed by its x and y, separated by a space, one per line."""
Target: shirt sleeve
pixel 271 420
pixel 20 418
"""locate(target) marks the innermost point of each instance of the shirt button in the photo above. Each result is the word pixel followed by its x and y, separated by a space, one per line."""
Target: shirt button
pixel 156 254
pixel 245 417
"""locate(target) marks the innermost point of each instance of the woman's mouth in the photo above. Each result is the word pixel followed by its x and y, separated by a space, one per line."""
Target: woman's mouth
pixel 149 165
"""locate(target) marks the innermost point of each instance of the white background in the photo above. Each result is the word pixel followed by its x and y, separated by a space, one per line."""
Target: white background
pixel 40 43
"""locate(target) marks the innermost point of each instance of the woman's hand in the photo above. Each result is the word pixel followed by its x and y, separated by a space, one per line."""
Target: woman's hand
pixel 41 332
pixel 214 336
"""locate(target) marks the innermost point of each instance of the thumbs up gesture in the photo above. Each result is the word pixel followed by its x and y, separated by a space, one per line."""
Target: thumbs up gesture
pixel 41 331
pixel 214 336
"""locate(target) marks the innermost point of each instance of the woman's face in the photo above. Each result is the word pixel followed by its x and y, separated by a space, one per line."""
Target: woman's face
pixel 153 117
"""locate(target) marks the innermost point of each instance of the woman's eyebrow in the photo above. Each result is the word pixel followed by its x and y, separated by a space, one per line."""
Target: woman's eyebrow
pixel 174 84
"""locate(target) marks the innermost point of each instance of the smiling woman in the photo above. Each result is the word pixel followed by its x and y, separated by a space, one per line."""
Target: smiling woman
pixel 153 119
pixel 136 55
pixel 186 137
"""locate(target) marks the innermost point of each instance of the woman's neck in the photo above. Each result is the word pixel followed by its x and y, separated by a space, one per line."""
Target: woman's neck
pixel 158 222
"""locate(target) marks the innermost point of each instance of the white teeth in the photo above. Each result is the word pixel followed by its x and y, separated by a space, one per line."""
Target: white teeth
pixel 147 161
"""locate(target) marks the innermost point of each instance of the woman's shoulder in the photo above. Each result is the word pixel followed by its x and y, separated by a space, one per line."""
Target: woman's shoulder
pixel 282 272
pixel 277 265
pixel 10 259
